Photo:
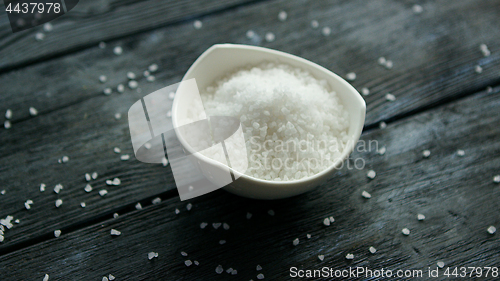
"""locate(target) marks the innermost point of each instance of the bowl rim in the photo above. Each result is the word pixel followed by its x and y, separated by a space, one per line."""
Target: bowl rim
pixel 345 153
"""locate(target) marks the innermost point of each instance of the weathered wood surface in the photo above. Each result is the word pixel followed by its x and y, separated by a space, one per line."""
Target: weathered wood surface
pixel 456 194
pixel 76 119
pixel 91 22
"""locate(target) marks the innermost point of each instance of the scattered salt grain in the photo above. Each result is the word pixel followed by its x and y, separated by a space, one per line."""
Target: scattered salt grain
pixel 271 212
pixel 225 226
pixel 102 45
pixel 496 179
pixel 308 236
pixel 132 84
pixel 366 194
pixel 7 124
pixel 57 233
pixel 42 187
pixel 115 232
pixel 234 272
pixel 169 113
pixel 120 88
pixel 382 150
pixel 152 255
pixel 420 217
pixel 150 78
pixel 188 263
pixel 250 34
pixel 219 269
pixel 270 37
pixel 87 177
pixel 491 230
pixel 365 91
pixel 58 203
pixel 39 36
pixel 184 254
pixel 138 206
pixel 405 231
pixel 229 270
pixel 103 192
pixel 371 174
pixel 321 257
pixel 33 111
pixel 2 192
pixel 189 206
pixel 460 152
pixel 314 24
pixel 117 150
pixel 46 277
pixel 58 188
pixel 196 263
pixel 203 225
pixel 351 76
pixel 326 221
pixel 326 31
pixel 197 24
pixel 282 15
pixel 260 276
pixel 484 49
pixel 125 157
pixel 372 250
pixel 440 264
pixel 177 211
pixel 216 225
pixel 296 241
pixel 426 153
pixel 116 181
pixel 27 204
pixel 65 159
pixel 349 256
pixel 131 75
pixel 147 145
pixel 390 97
pixel 388 64
pixel 107 91
pixel 156 201
pixel 111 277
pixel 103 78
pixel 105 278
pixel 48 27
pixel 171 95
pixel 249 216
pixel 382 61
pixel 489 89
pixel 115 215
pixel 382 125
pixel 222 242
pixel 332 220
pixel 17 221
pixel 478 69
pixel 118 50
pixel 258 268
pixel 8 114
pixel 94 175
pixel 83 205
pixel 417 9
pixel 153 67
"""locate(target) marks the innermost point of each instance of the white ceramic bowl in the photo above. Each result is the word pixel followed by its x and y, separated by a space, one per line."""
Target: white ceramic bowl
pixel 221 59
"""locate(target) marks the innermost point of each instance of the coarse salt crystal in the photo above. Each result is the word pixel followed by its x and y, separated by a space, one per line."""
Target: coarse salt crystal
pixel 365 91
pixel 258 268
pixel 426 153
pixel 350 76
pixel 366 194
pixel 102 45
pixel 48 27
pixel 308 236
pixel 111 277
pixel 326 31
pixel 349 256
pixel 116 181
pixel 2 192
pixel 496 179
pixel 440 264
pixel 58 188
pixel 88 177
pixel 382 125
pixel 417 9
pixel 103 192
pixel 332 220
pixel 157 200
pixel 382 150
pixel 118 50
pixel 131 75
pixel 7 124
pixel 484 49
pixel 58 203
pixel 125 157
pixel 115 232
pixel 270 37
pixel 94 175
pixel 150 78
pixel 152 255
pixel 42 187
pixel 390 97
pixel 117 150
pixel 164 161
pixel 460 152
pixel 326 221
pixel 282 16
pixel 8 114
pixel 196 263
pixel 83 205
pixel 197 24
pixel 222 242
pixel 216 225
pixel 260 276
pixel 120 88
pixel 382 61
pixel 271 212
pixel 115 215
pixel 33 111
pixel 189 206
pixel 147 145
pixel 107 91
pixel 420 217
pixel 314 24
pixel 184 254
pixel 371 174
pixel 46 277
pixel 478 69
pixel 132 84
pixel 39 36
pixel 57 233
pixel 103 78
pixel 219 269
pixel 225 226
pixel 372 250
pixel 153 67
pixel 296 241
pixel 138 206
pixel 188 262
pixel 321 257
pixel 177 211
pixel 104 278
pixel 203 225
pixel 250 34
pixel 405 231
pixel 388 64
pixel 491 230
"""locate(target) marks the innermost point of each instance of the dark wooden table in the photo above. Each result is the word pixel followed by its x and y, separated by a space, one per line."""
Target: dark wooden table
pixel 443 105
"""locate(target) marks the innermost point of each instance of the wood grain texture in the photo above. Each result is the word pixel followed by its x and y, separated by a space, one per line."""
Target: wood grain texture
pixel 91 22
pixel 76 119
pixel 455 193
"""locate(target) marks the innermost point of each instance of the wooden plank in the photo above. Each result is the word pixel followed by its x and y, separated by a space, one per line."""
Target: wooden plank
pixel 67 90
pixel 91 22
pixel 456 194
